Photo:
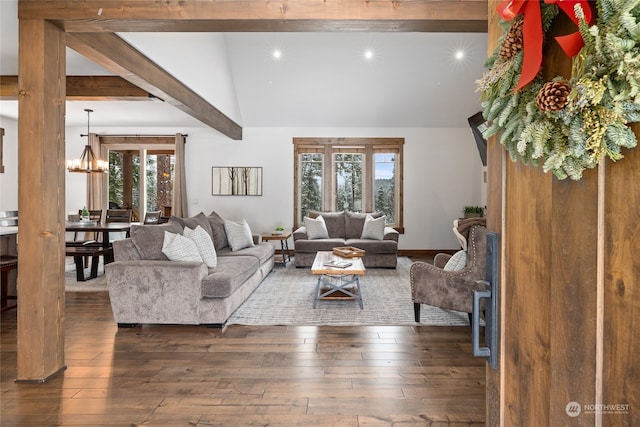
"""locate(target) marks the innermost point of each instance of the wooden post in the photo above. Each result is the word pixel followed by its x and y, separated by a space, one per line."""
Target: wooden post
pixel 41 200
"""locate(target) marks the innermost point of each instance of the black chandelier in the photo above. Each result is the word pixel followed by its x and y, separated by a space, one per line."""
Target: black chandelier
pixel 88 162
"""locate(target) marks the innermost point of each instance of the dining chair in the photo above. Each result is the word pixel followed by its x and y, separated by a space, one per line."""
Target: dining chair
pixel 118 215
pixel 152 217
pixel 7 263
pixel 94 215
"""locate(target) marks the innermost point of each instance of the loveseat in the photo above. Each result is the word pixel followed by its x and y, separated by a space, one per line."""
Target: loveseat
pixel 145 286
pixel 346 229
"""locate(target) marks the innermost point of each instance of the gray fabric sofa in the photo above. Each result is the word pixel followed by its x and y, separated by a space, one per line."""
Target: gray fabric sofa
pixel 145 287
pixel 345 229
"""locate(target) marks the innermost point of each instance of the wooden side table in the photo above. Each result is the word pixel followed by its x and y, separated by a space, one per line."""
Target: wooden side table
pixel 285 255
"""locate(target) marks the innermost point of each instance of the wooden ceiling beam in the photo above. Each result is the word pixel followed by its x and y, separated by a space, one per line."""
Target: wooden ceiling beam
pixel 85 88
pixel 260 15
pixel 114 54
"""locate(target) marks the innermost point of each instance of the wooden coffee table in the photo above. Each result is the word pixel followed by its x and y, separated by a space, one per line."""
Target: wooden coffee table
pixel 335 282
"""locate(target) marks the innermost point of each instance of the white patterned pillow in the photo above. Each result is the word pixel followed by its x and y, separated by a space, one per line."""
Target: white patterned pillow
pixel 179 248
pixel 204 244
pixel 457 262
pixel 238 234
pixel 316 228
pixel 373 227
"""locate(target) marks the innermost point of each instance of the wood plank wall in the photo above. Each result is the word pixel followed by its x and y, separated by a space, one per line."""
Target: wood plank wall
pixel 621 293
pixel 570 297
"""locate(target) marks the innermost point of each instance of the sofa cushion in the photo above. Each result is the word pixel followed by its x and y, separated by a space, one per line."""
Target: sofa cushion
pixel 335 222
pixel 198 220
pixel 373 228
pixel 179 248
pixel 217 227
pixel 318 245
pixel 316 228
pixel 204 244
pixel 261 251
pixel 229 275
pixel 354 222
pixel 238 234
pixel 457 262
pixel 148 239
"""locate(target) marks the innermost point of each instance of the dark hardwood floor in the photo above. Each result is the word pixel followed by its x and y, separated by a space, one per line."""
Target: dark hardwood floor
pixel 246 376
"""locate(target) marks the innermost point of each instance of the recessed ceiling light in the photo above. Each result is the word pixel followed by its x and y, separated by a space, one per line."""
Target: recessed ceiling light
pixel 368 54
pixel 459 55
pixel 277 53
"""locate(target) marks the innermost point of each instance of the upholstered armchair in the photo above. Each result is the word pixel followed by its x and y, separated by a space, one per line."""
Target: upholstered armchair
pixel 451 289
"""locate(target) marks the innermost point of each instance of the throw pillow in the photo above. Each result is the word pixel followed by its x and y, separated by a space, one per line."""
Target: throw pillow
pixel 217 227
pixel 354 221
pixel 316 228
pixel 204 244
pixel 179 248
pixel 373 228
pixel 457 262
pixel 198 220
pixel 333 221
pixel 238 234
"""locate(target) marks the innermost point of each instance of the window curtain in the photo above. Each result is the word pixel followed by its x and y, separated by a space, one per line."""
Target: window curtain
pixel 97 183
pixel 179 199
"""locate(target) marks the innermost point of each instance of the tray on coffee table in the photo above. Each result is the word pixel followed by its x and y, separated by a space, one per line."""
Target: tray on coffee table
pixel 348 252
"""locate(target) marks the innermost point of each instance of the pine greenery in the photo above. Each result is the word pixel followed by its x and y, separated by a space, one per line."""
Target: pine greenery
pixel 604 97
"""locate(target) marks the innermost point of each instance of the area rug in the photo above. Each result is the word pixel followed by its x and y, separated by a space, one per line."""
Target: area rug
pixel 92 285
pixel 286 297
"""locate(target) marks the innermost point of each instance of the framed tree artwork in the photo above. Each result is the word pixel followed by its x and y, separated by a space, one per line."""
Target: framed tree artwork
pixel 236 181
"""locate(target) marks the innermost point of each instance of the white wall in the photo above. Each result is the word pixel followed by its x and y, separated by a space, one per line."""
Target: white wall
pixel 442 173
pixel 9 179
pixel 169 52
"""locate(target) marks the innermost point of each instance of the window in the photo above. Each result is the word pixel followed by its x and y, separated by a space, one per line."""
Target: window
pixel 353 174
pixel 142 188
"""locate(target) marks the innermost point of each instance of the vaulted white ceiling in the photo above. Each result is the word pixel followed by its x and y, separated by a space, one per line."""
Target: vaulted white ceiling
pixel 320 79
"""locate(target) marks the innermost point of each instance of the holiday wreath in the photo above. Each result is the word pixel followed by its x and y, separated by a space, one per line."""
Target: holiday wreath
pixel 565 125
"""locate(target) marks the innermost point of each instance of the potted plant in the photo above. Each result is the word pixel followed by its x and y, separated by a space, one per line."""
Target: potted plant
pixel 85 214
pixel 473 211
pixel 279 230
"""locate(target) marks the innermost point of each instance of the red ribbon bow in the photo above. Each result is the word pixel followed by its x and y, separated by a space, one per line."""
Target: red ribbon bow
pixel 533 35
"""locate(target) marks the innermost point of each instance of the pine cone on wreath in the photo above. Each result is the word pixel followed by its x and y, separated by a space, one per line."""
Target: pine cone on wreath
pixel 553 96
pixel 513 40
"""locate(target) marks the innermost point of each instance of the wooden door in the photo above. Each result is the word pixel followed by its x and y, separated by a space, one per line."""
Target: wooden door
pixel 569 290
